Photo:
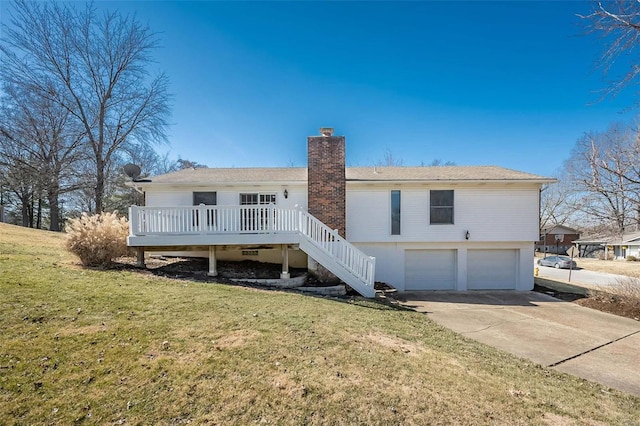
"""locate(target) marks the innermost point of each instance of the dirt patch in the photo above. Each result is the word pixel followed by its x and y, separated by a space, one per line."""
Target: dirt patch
pixel 621 305
pixel 612 304
pixel 395 343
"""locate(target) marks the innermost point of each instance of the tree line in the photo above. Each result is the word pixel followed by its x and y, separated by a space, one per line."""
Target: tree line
pixel 78 100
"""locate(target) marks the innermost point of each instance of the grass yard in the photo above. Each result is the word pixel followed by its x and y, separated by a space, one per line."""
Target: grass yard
pixel 114 347
pixel 618 267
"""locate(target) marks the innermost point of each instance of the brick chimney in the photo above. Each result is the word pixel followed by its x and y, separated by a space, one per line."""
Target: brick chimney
pixel 326 179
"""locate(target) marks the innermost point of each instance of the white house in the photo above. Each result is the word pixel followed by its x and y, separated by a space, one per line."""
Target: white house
pixel 415 228
pixel 611 246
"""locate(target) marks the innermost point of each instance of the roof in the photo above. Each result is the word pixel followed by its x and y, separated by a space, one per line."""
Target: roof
pixel 233 175
pixel 559 229
pixel 201 176
pixel 441 173
pixel 610 239
pixel 629 237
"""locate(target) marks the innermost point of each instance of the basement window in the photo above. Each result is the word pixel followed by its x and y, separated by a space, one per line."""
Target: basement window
pixel 441 207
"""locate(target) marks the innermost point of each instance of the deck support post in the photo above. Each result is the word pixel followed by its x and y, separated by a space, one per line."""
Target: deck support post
pixel 213 263
pixel 285 263
pixel 140 257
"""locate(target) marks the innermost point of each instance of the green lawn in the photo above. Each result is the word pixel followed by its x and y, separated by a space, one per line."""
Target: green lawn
pixel 115 347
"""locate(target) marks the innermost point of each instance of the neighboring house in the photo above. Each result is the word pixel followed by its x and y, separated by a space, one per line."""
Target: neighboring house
pixel 591 245
pixel 556 239
pixel 626 245
pixel 611 247
pixel 415 228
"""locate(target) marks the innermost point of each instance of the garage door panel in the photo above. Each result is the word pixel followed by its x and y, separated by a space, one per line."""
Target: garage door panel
pixel 430 269
pixel 492 269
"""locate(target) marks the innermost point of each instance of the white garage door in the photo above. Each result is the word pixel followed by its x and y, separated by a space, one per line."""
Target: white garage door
pixel 492 269
pixel 430 269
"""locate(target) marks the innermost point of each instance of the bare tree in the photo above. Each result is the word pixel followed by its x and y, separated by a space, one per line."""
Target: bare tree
pixel 183 164
pixel 560 204
pixel 389 159
pixel 94 66
pixel 618 22
pixel 437 163
pixel 39 137
pixel 598 168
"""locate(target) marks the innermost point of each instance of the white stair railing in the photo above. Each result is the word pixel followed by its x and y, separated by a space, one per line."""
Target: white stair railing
pixel 360 267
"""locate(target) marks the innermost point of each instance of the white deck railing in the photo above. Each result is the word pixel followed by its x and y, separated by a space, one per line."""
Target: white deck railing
pixel 193 220
pixel 212 220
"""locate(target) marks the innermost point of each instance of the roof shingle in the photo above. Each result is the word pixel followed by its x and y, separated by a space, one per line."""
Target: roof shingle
pixel 363 174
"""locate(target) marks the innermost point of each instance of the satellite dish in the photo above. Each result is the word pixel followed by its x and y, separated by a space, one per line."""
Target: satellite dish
pixel 132 170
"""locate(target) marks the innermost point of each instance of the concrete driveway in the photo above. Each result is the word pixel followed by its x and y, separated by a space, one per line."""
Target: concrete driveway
pixel 561 335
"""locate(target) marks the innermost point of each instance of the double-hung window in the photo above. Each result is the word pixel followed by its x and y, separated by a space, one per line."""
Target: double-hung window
pixel 441 207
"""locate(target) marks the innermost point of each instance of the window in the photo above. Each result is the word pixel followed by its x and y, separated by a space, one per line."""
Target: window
pixel 395 212
pixel 441 210
pixel 206 198
pixel 256 198
pixel 254 219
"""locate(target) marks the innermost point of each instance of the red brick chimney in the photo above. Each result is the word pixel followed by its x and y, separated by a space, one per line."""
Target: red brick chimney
pixel 326 179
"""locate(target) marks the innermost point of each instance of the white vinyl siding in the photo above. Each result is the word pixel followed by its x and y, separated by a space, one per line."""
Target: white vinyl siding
pixel 490 215
pixel 368 215
pixel 430 269
pixel 168 198
pixel 492 269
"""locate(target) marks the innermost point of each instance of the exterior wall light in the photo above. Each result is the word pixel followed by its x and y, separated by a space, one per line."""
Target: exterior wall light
pixel 286 193
pixel 467 235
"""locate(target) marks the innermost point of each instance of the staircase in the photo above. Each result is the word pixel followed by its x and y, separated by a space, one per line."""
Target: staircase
pixel 336 254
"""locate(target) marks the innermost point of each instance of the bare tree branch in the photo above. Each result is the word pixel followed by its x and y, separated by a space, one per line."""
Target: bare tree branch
pixel 96 68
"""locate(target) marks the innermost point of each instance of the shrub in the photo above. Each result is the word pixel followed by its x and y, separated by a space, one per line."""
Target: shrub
pixel 631 258
pixel 98 239
pixel 609 255
pixel 621 298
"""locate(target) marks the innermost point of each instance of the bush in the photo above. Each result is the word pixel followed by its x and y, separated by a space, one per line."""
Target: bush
pixel 609 256
pixel 98 239
pixel 621 298
pixel 631 258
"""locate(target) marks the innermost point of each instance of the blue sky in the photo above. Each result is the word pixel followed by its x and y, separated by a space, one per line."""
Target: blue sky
pixel 512 84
